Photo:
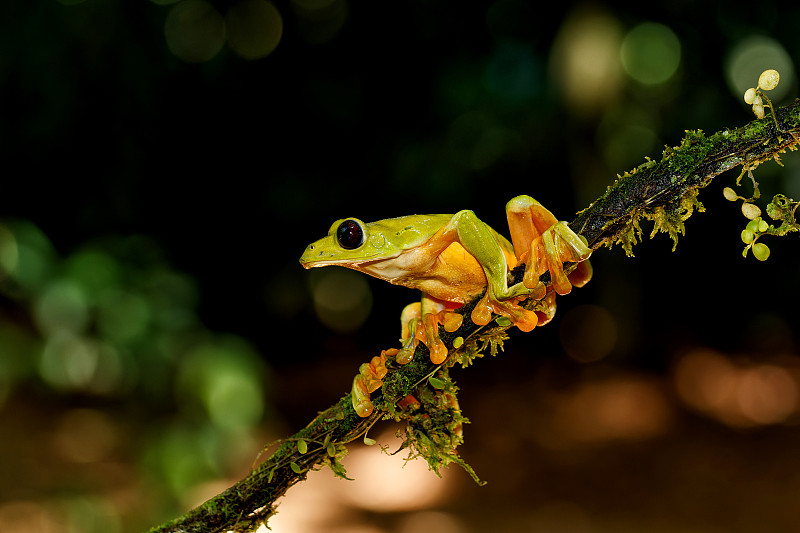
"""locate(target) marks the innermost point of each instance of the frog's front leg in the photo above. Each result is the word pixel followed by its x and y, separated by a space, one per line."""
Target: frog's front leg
pixel 420 323
pixel 545 244
pixel 368 380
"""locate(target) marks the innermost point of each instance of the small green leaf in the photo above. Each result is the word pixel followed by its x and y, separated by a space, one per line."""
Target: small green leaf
pixel 503 321
pixel 436 383
pixel 761 251
pixel 750 211
pixel 747 236
pixel 331 449
pixel 269 476
pixel 295 467
pixel 458 342
pixel 302 447
pixel 368 441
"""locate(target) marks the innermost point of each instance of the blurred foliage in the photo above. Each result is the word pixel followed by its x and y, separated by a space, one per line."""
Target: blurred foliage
pixel 112 328
pixel 167 162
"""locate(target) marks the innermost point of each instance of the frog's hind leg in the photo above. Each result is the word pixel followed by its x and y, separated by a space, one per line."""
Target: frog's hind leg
pixel 545 244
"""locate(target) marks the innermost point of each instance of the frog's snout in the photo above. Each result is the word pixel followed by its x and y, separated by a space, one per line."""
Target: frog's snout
pixel 310 255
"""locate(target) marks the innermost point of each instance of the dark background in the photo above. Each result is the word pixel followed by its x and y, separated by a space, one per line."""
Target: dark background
pixel 201 183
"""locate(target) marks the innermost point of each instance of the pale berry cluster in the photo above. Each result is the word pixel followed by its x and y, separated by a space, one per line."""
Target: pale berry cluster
pixel 754 96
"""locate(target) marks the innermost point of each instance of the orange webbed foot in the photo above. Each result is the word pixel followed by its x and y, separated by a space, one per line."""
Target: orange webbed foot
pixel 420 323
pixel 543 243
pixel 368 380
pixel 451 321
pixel 359 397
pixel 522 318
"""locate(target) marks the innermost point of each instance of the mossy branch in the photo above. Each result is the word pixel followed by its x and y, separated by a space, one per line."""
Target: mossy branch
pixel 664 191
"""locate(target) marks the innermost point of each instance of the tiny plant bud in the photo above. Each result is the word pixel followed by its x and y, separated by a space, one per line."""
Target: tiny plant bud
pixel 458 342
pixel 758 101
pixel 730 194
pixel 750 96
pixel 503 321
pixel 758 110
pixel 762 226
pixel 753 224
pixel 302 446
pixel 747 236
pixel 768 80
pixel 751 211
pixel 761 251
pixel 368 441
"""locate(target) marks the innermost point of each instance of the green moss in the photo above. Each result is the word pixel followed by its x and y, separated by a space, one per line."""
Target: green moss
pixel 670 217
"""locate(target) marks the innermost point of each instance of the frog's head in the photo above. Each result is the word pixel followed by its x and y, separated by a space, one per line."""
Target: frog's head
pixel 349 242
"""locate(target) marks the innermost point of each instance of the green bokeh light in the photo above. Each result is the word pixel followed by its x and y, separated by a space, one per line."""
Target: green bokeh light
pixel 254 28
pixel 195 31
pixel 9 252
pixel 62 306
pixel 651 53
pixel 753 55
pixel 68 362
pixel 94 270
pixel 34 256
pixel 122 316
pixel 225 378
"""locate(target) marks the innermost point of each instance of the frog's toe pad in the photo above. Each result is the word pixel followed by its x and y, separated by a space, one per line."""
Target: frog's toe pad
pixel 360 398
pixel 582 274
pixel 522 318
pixel 526 321
pixel 438 352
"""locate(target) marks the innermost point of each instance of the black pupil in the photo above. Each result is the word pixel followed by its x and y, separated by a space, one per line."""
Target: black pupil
pixel 349 235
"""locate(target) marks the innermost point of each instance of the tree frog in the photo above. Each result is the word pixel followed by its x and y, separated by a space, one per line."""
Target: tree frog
pixel 453 259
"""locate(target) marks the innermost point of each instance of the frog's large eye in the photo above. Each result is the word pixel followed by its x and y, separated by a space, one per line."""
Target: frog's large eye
pixel 350 235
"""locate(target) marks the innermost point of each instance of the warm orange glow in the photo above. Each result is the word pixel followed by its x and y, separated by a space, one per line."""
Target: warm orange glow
pixel 85 435
pixel 387 483
pixel 432 521
pixel 384 484
pixel 311 506
pixel 26 517
pixel 736 394
pixel 622 408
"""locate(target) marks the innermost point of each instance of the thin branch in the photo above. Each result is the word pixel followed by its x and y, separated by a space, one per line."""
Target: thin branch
pixel 663 191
